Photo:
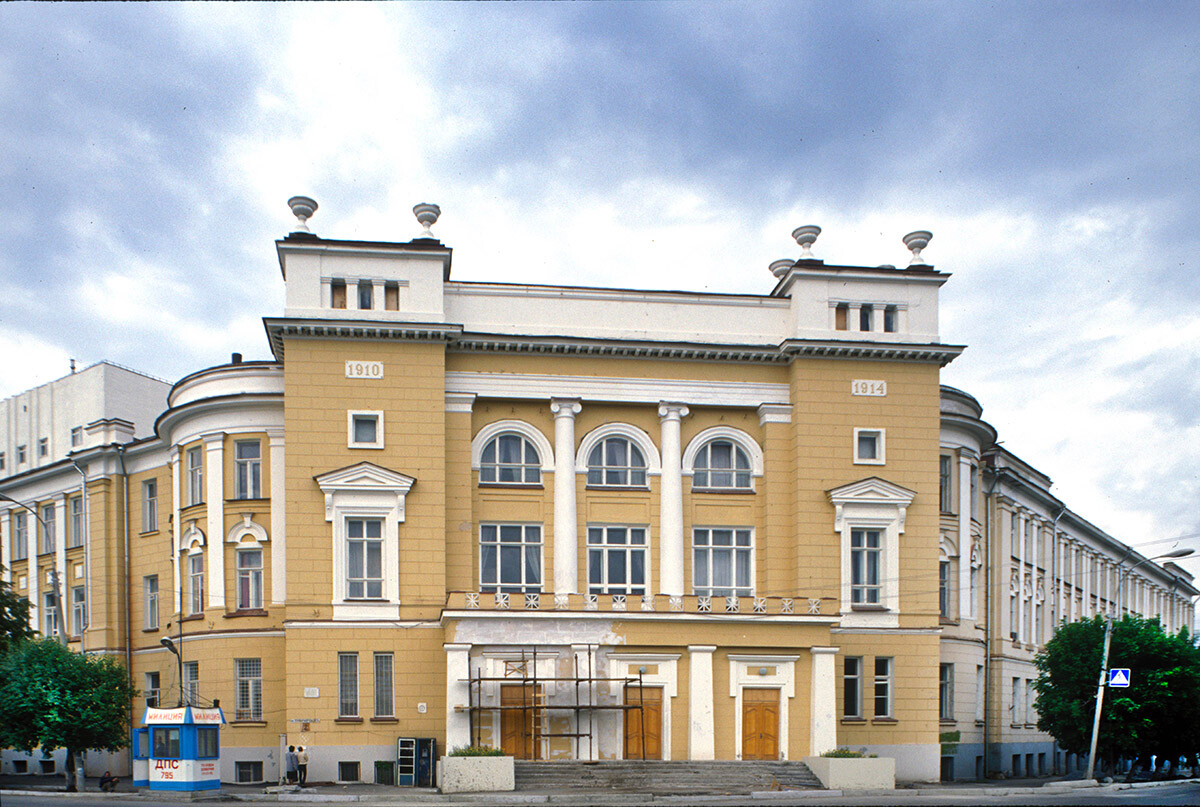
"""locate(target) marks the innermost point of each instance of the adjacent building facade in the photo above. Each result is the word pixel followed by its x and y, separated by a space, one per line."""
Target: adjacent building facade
pixel 573 523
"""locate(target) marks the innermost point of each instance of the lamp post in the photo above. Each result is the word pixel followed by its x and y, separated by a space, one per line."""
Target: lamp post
pixel 1108 627
pixel 167 643
pixel 58 611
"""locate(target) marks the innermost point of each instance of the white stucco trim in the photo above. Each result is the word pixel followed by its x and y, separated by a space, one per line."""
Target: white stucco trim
pixel 743 674
pixel 616 389
pixel 667 678
pixel 632 433
pixel 745 441
pixel 246 531
pixel 192 537
pixel 527 430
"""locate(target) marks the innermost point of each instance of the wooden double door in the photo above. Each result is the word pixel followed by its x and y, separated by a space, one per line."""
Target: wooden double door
pixel 520 736
pixel 760 724
pixel 643 727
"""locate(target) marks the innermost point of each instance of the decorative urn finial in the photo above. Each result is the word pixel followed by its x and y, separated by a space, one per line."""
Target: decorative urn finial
pixel 805 236
pixel 917 241
pixel 427 215
pixel 779 268
pixel 302 208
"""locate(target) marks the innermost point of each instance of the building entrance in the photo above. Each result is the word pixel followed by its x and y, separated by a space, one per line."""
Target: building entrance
pixel 760 724
pixel 643 727
pixel 519 735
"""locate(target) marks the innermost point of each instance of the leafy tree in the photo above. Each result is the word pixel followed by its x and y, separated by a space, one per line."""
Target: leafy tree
pixel 53 698
pixel 14 617
pixel 1158 714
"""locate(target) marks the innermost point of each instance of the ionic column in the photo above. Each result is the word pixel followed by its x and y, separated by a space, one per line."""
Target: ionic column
pixel 458 694
pixel 670 575
pixel 566 525
pixel 700 701
pixel 214 487
pixel 854 317
pixel 822 721
pixel 278 517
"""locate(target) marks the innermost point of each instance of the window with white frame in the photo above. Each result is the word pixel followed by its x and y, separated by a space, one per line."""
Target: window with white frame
pixel 195 475
pixel 946 483
pixel 510 557
pixel 247 469
pixel 366 295
pixel 364 558
pixel 43 447
pixel 510 459
pixel 616 560
pixel 1015 706
pixel 865 582
pixel 20 455
pixel 944 589
pixel 49 614
pixel 721 464
pixel 74 522
pixel 19 543
pixel 78 610
pixel 868 447
pixel 195 575
pixel 150 505
pixel 883 686
pixel 1029 701
pixel 49 534
pixel 365 429
pixel 191 683
pixel 852 687
pixel 250 579
pixel 150 601
pixel 979 693
pixel 616 461
pixel 151 689
pixel 723 561
pixel 946 691
pixel 347 684
pixel 2 461
pixel 248 679
pixel 76 436
pixel 385 702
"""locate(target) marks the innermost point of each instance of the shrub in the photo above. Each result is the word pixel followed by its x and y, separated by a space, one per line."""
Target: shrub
pixel 844 753
pixel 476 751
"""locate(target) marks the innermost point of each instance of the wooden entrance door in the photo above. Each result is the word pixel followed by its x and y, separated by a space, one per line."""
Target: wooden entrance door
pixel 648 718
pixel 518 727
pixel 760 724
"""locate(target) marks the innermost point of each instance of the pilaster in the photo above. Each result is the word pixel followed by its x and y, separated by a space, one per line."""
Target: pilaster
pixel 214 487
pixel 566 524
pixel 671 509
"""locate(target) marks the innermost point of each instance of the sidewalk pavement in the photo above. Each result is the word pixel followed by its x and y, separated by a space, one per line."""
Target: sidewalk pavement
pixel 385 794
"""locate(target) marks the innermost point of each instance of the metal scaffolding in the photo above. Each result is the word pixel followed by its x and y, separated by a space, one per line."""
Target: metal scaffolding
pixel 534 708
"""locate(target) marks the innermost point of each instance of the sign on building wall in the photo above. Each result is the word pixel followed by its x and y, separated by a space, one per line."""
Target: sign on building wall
pixel 876 389
pixel 364 369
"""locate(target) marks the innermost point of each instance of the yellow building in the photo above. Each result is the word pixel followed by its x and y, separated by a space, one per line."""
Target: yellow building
pixel 575 523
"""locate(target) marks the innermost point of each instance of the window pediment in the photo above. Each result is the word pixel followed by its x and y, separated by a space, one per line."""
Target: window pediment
pixel 871 497
pixel 365 483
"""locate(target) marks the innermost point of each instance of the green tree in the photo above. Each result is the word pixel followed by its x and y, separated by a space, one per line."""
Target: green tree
pixel 1158 714
pixel 53 698
pixel 14 617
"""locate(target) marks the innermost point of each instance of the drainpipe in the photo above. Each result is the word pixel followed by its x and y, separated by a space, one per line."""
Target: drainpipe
pixel 989 507
pixel 125 530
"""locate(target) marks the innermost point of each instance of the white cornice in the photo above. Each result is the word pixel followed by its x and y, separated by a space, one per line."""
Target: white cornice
pixel 616 389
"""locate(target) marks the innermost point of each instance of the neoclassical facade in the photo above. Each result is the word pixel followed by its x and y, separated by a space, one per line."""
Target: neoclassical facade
pixel 573 523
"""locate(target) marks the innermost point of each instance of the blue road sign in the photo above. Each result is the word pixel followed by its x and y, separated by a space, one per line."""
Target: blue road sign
pixel 1118 677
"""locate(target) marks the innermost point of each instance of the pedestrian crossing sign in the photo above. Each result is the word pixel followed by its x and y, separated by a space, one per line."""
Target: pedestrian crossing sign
pixel 1118 677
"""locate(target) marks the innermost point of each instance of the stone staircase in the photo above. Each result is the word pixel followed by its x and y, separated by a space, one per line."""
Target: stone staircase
pixel 664 778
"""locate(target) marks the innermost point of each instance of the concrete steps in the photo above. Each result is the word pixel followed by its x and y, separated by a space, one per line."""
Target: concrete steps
pixel 664 778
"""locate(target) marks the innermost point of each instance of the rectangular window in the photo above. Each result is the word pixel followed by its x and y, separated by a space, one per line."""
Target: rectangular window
pixel 166 742
pixel 366 295
pixel 883 687
pixel 865 558
pixel 248 469
pixel 20 455
pixel 195 572
pixel 43 447
pixel 78 610
pixel 946 483
pixel 191 683
pixel 150 601
pixel 723 562
pixel 151 690
pixel 150 505
pixel 617 560
pixel 364 559
pixel 207 742
pixel 391 296
pixel 975 492
pixel 944 589
pixel 510 557
pixel 366 429
pixel 979 693
pixel 49 532
pixel 250 579
pixel 49 614
pixel 868 447
pixel 852 687
pixel 248 773
pixel 864 317
pixel 76 436
pixel 889 319
pixel 1029 699
pixel 337 293
pixel 19 543
pixel 348 771
pixel 1015 707
pixel 74 522
pixel 841 314
pixel 946 691
pixel 2 461
pixel 385 705
pixel 248 677
pixel 347 684
pixel 195 476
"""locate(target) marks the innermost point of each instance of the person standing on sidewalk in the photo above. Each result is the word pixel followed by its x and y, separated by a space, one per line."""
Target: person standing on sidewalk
pixel 302 765
pixel 290 764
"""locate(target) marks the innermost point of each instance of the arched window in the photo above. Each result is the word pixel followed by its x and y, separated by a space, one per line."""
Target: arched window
pixel 616 461
pixel 510 459
pixel 721 464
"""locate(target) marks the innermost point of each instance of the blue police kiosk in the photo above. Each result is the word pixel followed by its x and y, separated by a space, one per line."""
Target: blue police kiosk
pixel 179 749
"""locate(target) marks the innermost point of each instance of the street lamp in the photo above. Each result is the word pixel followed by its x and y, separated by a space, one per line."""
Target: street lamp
pixel 58 611
pixel 1108 626
pixel 167 643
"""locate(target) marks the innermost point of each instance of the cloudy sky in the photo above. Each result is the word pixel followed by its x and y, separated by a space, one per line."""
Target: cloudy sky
pixel 147 151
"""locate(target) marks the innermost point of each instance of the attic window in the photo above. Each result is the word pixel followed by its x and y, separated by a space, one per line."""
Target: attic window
pixel 337 293
pixel 889 319
pixel 366 295
pixel 841 316
pixel 391 296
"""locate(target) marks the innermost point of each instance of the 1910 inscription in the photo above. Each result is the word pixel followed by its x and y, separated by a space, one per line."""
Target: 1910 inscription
pixel 364 369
